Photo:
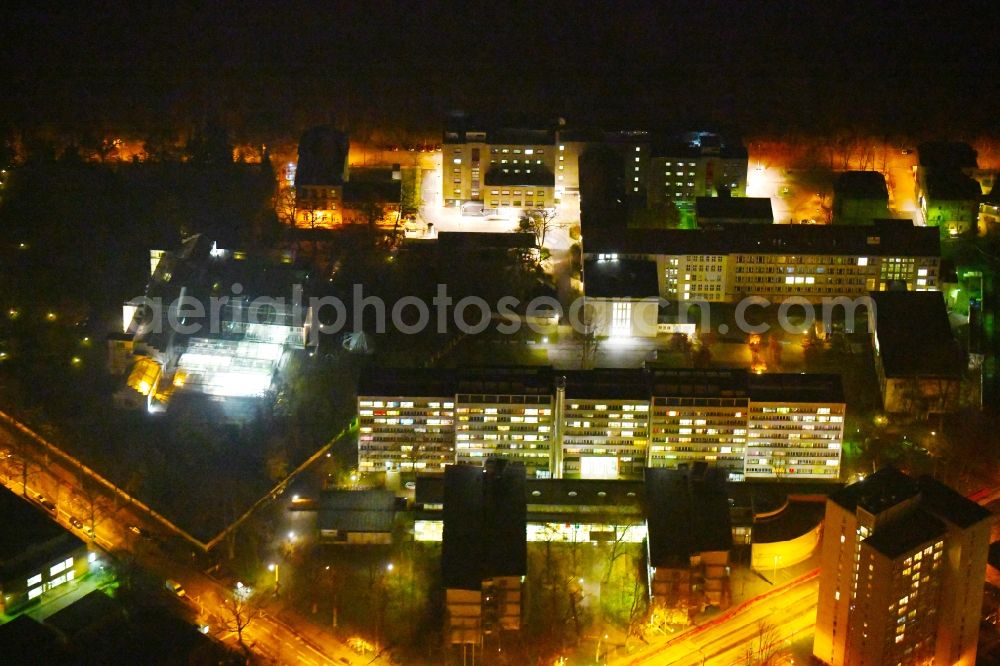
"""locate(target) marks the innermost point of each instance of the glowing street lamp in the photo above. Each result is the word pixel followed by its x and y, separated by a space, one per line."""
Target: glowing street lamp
pixel 274 568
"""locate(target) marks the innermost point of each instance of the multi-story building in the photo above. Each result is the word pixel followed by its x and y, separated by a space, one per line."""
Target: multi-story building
pixel 406 421
pixel 319 178
pixel 505 413
pixel 949 185
pixel 950 201
pixel 605 424
pixel 699 415
pixel 902 573
pixel 602 423
pixel 919 368
pixel 728 263
pixel 795 428
pixel 489 165
pixel 696 164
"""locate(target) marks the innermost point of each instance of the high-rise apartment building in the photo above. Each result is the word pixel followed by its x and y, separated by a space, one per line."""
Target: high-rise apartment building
pixel 903 567
pixel 602 423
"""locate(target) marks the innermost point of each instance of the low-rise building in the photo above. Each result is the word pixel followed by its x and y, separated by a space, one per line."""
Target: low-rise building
pixel 950 201
pixel 352 517
pixel 917 359
pixel 38 558
pixel 241 319
pixel 374 201
pixel 622 297
pixel 859 197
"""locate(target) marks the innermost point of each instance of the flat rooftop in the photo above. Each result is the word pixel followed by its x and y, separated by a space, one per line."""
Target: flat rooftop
pixel 743 208
pixel 906 533
pixel 881 239
pixel 877 492
pixel 625 278
pixel 861 185
pixel 28 536
pixel 914 335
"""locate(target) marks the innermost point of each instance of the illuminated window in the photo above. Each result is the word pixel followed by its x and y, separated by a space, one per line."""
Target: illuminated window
pixel 621 319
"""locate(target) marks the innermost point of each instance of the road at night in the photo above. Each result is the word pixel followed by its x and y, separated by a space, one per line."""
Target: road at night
pixel 724 641
pixel 266 635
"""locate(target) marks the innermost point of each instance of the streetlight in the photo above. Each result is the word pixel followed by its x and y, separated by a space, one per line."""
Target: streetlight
pixel 274 568
pixel 389 567
pixel 597 657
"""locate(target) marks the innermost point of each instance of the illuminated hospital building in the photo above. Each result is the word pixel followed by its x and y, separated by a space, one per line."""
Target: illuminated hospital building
pixel 603 423
pixel 727 263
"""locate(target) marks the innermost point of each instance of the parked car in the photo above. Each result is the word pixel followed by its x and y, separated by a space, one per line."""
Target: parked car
pixel 46 503
pixel 76 522
pixel 175 587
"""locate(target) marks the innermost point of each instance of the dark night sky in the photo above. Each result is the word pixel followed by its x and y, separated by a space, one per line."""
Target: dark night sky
pixel 274 67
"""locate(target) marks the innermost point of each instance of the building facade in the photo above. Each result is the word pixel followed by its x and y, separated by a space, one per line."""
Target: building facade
pixel 697 164
pixel 38 558
pixel 319 178
pixel 602 423
pixel 813 262
pixel 902 573
pixel 486 165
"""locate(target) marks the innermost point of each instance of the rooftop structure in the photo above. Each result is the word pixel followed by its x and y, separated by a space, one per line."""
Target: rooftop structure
pixel 733 210
pixel 37 555
pixel 630 278
pixel 242 315
pixel 356 516
pixel 919 366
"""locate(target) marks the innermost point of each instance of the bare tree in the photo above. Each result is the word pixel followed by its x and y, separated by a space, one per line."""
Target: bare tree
pixel 91 497
pixel 284 205
pixel 763 649
pixel 538 222
pixel 240 610
pixel 22 463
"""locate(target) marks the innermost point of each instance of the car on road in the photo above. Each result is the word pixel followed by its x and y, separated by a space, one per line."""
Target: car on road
pixel 175 587
pixel 46 503
pixel 76 522
pixel 138 531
